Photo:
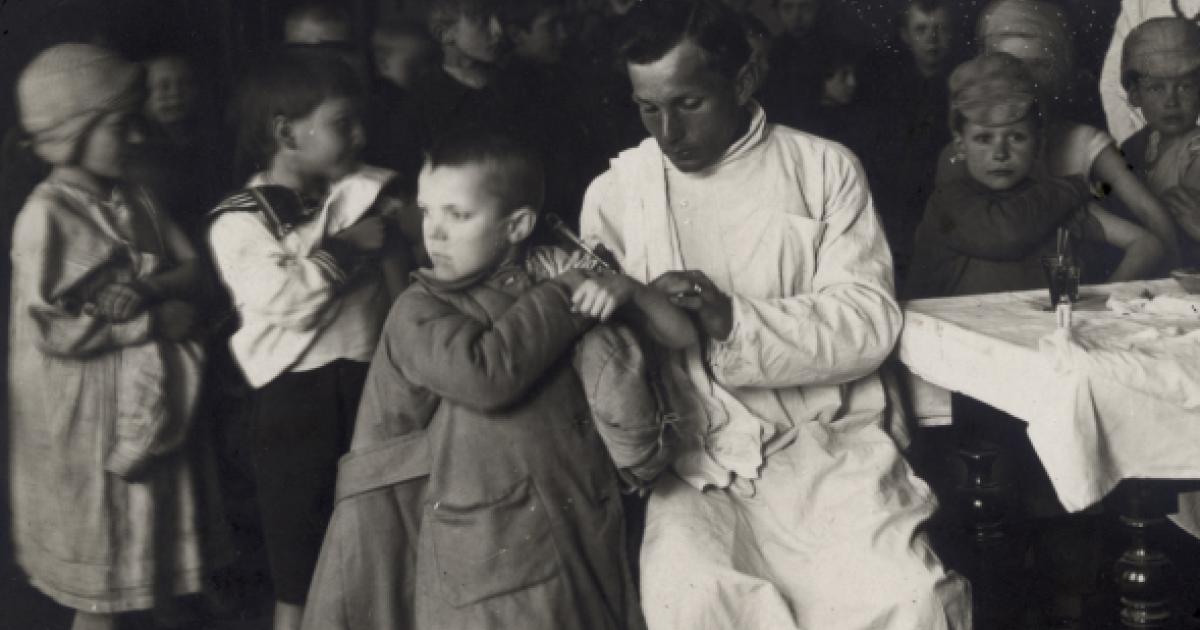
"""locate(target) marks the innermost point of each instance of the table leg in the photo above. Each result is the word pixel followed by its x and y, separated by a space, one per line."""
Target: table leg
pixel 1145 575
pixel 983 497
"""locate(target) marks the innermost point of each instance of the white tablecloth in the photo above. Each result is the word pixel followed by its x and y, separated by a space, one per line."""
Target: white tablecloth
pixel 1089 428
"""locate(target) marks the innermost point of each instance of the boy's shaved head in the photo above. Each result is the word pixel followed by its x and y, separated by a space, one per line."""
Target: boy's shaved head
pixel 517 176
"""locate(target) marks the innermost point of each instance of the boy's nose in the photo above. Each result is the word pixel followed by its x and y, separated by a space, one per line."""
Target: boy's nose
pixel 1001 153
pixel 433 229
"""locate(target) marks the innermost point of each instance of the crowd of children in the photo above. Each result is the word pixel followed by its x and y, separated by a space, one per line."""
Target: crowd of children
pixel 366 252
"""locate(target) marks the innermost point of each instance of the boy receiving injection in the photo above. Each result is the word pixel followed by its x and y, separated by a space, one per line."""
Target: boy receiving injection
pixel 478 492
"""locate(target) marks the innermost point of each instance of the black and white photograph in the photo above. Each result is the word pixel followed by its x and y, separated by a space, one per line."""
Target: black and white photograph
pixel 600 314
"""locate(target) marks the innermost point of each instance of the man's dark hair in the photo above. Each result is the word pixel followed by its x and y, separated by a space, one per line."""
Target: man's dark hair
pixel 653 28
pixel 291 82
pixel 515 169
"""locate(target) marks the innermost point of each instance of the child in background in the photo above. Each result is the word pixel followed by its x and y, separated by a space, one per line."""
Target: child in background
pixel 105 494
pixel 178 160
pixel 795 54
pixel 171 97
pixel 302 252
pixel 477 493
pixel 538 30
pixel 1160 70
pixel 404 53
pixel 987 232
pixel 1037 33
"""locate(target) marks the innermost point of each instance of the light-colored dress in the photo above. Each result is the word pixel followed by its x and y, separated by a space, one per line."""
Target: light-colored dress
pixel 791 506
pixel 86 537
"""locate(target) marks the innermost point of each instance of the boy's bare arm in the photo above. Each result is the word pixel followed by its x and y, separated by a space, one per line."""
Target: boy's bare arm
pixel 1112 169
pixel 1143 250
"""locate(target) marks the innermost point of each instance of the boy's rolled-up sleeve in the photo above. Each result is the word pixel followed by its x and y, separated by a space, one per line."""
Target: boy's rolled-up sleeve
pixel 840 331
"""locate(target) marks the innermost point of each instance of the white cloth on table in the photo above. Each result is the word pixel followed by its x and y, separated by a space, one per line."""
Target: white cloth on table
pixel 792 497
pixel 1115 400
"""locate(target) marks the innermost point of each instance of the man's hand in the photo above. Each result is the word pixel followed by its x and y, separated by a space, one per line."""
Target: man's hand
pixel 600 296
pixel 365 236
pixel 692 290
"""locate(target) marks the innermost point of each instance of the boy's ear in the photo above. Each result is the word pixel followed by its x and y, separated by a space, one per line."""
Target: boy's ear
pixel 520 224
pixel 283 132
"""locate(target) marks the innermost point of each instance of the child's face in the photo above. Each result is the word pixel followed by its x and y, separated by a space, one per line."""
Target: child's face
pixel 105 152
pixel 798 16
pixel 839 89
pixel 464 228
pixel 546 38
pixel 478 37
pixel 328 141
pixel 402 59
pixel 999 157
pixel 1170 104
pixel 171 90
pixel 308 30
pixel 621 7
pixel 927 35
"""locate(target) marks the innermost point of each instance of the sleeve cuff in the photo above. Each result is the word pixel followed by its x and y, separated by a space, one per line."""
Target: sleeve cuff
pixel 124 461
pixel 334 259
pixel 722 352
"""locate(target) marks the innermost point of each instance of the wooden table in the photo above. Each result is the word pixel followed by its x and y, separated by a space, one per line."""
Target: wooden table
pixel 1091 427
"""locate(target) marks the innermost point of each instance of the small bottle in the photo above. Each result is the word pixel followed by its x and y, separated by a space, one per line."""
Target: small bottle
pixel 1062 312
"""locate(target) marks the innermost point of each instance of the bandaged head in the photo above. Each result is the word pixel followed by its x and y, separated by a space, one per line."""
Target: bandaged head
pixel 1035 32
pixel 1160 47
pixel 66 89
pixel 992 89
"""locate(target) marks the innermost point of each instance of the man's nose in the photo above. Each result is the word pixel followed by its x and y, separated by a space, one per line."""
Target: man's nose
pixel 672 127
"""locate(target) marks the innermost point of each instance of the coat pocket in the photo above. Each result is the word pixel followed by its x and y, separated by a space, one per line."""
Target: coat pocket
pixel 487 550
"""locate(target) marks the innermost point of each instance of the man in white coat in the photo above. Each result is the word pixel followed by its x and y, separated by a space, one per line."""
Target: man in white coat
pixel 790 505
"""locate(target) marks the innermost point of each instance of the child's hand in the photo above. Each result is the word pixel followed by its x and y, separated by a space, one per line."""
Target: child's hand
pixel 600 296
pixel 173 320
pixel 119 302
pixel 365 236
